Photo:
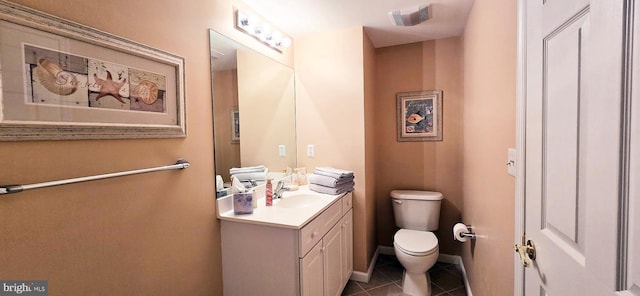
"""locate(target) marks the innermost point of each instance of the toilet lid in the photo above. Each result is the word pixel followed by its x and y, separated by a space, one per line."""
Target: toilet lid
pixel 415 242
pixel 416 195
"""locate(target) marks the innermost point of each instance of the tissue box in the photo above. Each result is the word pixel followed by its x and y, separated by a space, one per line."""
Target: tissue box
pixel 243 203
pixel 223 192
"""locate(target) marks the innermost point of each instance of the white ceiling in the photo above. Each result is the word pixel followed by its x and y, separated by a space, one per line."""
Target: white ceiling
pixel 302 17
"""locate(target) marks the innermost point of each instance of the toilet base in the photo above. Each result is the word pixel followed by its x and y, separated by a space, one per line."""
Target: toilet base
pixel 416 284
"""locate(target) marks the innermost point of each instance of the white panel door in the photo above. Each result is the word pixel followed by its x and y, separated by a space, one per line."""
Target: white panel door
pixel 577 147
pixel 312 272
pixel 333 256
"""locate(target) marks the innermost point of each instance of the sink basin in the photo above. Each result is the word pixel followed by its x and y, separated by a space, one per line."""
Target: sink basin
pixel 297 201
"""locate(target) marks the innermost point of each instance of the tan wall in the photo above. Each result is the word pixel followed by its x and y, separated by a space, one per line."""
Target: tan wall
pixel 152 234
pixel 267 111
pixel 157 233
pixel 370 118
pixel 489 129
pixel 225 92
pixel 434 166
pixel 330 114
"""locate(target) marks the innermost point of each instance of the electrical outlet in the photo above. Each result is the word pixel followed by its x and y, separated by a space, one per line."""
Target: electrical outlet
pixel 282 151
pixel 311 150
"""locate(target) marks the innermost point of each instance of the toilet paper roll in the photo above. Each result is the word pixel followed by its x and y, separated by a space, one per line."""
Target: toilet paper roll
pixel 458 229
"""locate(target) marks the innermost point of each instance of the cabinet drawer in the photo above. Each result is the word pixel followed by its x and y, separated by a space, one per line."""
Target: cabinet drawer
pixel 347 202
pixel 315 230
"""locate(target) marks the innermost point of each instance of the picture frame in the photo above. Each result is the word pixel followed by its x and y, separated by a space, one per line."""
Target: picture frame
pixel 419 115
pixel 235 126
pixel 61 80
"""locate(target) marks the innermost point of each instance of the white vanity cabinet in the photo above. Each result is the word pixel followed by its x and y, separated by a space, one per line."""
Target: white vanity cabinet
pixel 314 259
pixel 335 254
pixel 312 272
pixel 347 247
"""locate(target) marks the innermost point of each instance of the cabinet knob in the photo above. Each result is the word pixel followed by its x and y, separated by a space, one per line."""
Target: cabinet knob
pixel 314 234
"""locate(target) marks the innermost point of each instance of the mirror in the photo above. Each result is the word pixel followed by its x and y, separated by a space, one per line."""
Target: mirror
pixel 253 108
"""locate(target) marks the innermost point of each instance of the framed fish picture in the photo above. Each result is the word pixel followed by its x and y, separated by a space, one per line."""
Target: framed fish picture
pixel 61 80
pixel 235 126
pixel 419 116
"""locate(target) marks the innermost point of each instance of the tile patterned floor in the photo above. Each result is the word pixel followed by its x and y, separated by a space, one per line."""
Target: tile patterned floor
pixel 387 280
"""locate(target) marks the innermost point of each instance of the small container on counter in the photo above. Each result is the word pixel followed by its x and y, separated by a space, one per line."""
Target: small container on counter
pixel 243 203
pixel 269 193
pixel 300 176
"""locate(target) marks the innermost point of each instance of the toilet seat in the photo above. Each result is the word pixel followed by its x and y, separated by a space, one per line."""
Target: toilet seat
pixel 415 242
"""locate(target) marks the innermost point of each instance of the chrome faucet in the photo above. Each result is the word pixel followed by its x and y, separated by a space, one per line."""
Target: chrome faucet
pixel 277 193
pixel 249 183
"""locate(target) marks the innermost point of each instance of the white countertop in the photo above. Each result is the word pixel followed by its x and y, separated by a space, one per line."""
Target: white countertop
pixel 294 218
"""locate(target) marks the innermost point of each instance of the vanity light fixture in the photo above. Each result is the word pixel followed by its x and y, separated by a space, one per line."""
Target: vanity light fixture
pixel 261 30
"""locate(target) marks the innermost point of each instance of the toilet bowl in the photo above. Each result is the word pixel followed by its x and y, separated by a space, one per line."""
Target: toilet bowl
pixel 417 251
pixel 416 247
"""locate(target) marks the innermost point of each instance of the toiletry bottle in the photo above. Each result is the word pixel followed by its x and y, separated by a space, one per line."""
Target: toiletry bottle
pixel 301 174
pixel 269 191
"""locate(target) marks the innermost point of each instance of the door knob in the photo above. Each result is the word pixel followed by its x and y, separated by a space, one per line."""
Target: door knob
pixel 525 250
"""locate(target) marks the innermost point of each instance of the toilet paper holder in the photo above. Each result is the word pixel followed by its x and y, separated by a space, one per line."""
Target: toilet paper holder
pixel 470 234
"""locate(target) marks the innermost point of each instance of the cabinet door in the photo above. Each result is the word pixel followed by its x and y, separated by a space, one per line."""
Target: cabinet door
pixel 311 272
pixel 332 245
pixel 347 246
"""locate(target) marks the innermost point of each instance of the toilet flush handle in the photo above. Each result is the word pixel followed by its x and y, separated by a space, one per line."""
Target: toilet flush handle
pixel 397 201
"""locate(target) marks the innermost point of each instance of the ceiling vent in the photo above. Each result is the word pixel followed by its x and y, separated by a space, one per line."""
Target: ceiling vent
pixel 409 17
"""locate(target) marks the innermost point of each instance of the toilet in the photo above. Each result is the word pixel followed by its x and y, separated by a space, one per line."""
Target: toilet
pixel 417 214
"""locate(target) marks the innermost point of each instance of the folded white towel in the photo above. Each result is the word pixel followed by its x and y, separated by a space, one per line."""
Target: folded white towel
pixel 328 181
pixel 251 169
pixel 332 190
pixel 333 172
pixel 258 176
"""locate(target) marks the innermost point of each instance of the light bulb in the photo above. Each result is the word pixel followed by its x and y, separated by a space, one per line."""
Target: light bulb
pixel 243 21
pixel 254 24
pixel 286 42
pixel 257 30
pixel 266 34
pixel 276 39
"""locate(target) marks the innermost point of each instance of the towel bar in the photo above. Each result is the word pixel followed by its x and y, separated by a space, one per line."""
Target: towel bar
pixel 8 189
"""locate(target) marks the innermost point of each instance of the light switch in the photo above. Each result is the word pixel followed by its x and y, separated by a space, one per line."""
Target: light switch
pixel 310 150
pixel 282 151
pixel 511 161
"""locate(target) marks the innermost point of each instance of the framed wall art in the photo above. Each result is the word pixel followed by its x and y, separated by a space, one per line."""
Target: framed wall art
pixel 61 80
pixel 419 116
pixel 235 126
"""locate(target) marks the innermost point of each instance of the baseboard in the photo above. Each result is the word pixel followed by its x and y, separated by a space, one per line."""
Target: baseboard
pixel 451 259
pixel 384 250
pixel 457 260
pixel 366 276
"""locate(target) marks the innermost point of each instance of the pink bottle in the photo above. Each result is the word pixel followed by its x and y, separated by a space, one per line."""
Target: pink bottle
pixel 269 190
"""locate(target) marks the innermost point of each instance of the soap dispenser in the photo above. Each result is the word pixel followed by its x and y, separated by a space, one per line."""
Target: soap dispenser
pixel 269 193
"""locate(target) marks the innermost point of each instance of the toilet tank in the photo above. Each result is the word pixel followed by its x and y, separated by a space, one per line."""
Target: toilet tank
pixel 416 210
